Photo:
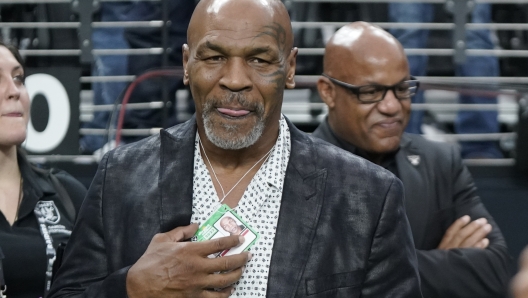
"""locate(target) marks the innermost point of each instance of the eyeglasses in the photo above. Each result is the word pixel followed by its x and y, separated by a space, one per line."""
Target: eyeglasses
pixel 374 93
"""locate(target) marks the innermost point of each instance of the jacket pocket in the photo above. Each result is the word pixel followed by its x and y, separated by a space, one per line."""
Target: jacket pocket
pixel 334 282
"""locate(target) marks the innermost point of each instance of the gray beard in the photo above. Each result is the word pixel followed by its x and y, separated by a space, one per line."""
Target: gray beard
pixel 231 140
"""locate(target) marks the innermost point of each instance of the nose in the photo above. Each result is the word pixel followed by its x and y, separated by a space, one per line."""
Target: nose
pixel 235 77
pixel 390 105
pixel 11 89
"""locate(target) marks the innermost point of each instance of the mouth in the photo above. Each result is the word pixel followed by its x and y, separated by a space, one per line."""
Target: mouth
pixel 390 125
pixel 12 114
pixel 236 113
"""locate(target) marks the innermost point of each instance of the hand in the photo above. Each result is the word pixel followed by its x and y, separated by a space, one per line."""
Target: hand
pixel 519 284
pixel 172 268
pixel 463 234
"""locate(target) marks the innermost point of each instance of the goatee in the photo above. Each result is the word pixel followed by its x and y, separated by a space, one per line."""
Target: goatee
pixel 230 136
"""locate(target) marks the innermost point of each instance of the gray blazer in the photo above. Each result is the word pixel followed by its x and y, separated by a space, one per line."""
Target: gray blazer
pixel 438 190
pixel 342 229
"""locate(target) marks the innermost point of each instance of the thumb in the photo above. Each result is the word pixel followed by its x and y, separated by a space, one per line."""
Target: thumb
pixel 182 233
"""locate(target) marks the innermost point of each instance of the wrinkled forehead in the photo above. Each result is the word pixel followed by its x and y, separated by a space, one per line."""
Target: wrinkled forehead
pixel 244 21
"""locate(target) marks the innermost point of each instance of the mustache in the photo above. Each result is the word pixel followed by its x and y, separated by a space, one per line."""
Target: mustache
pixel 238 98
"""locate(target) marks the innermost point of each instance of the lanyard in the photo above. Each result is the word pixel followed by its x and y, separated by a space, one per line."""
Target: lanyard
pixel 3 287
pixel 50 251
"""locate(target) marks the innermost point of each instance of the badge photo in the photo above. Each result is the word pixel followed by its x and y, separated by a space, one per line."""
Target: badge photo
pixel 227 225
pixel 224 222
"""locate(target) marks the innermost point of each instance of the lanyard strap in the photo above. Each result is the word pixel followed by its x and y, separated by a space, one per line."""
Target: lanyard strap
pixel 50 251
pixel 3 287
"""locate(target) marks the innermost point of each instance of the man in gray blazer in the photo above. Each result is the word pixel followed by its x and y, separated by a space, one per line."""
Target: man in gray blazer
pixel 367 87
pixel 331 224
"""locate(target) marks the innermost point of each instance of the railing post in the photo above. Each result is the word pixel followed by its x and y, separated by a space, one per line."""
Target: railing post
pixel 165 59
pixel 85 9
pixel 521 158
pixel 460 10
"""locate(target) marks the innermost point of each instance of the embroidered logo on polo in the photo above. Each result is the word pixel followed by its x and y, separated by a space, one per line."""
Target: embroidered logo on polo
pixel 49 211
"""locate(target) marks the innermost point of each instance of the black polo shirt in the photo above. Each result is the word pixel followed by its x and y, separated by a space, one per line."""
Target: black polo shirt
pixel 24 249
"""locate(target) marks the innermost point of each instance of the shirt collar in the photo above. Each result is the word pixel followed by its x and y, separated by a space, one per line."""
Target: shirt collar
pixel 280 154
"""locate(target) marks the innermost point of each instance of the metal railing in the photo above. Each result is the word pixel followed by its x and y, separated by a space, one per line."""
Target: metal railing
pixel 503 85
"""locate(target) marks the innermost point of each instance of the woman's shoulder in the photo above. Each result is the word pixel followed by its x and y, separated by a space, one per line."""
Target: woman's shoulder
pixel 61 181
pixel 75 189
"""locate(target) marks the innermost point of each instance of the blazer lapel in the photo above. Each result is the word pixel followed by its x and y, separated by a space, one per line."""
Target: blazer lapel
pixel 176 175
pixel 412 171
pixel 301 203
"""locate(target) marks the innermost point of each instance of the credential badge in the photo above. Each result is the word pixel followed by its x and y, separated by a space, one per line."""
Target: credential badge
pixel 49 211
pixel 414 159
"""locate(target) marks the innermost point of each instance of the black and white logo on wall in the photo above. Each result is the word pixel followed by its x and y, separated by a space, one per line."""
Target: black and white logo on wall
pixel 54 124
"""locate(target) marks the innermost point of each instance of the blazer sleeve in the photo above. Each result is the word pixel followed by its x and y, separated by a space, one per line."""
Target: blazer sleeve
pixel 466 272
pixel 83 272
pixel 392 269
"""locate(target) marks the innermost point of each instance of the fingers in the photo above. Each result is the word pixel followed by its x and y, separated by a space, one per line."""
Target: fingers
pixel 227 263
pixel 203 248
pixel 197 252
pixel 482 243
pixel 208 247
pixel 218 293
pixel 476 231
pixel 452 231
pixel 231 270
pixel 223 280
pixel 472 234
pixel 181 233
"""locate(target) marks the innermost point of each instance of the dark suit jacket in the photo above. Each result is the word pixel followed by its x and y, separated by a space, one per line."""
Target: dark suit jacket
pixel 342 229
pixel 439 190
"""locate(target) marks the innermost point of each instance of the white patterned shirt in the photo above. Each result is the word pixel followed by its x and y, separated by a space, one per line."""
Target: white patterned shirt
pixel 259 207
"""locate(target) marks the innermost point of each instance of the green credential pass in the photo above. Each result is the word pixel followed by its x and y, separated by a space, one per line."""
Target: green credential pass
pixel 224 222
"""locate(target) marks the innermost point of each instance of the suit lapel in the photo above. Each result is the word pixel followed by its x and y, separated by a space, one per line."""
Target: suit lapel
pixel 412 171
pixel 300 206
pixel 301 203
pixel 176 175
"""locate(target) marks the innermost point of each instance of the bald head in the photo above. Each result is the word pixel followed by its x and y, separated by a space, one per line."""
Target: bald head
pixel 236 14
pixel 361 44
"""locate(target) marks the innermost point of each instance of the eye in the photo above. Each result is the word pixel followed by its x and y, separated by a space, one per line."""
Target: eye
pixel 215 58
pixel 402 87
pixel 258 60
pixel 370 90
pixel 20 79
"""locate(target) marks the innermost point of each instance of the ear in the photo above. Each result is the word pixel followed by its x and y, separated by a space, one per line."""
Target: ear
pixel 326 91
pixel 185 50
pixel 290 75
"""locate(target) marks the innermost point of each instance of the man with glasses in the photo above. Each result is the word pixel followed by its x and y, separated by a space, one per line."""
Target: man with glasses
pixel 367 87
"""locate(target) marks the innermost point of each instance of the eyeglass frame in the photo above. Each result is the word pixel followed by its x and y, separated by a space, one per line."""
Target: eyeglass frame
pixel 355 89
